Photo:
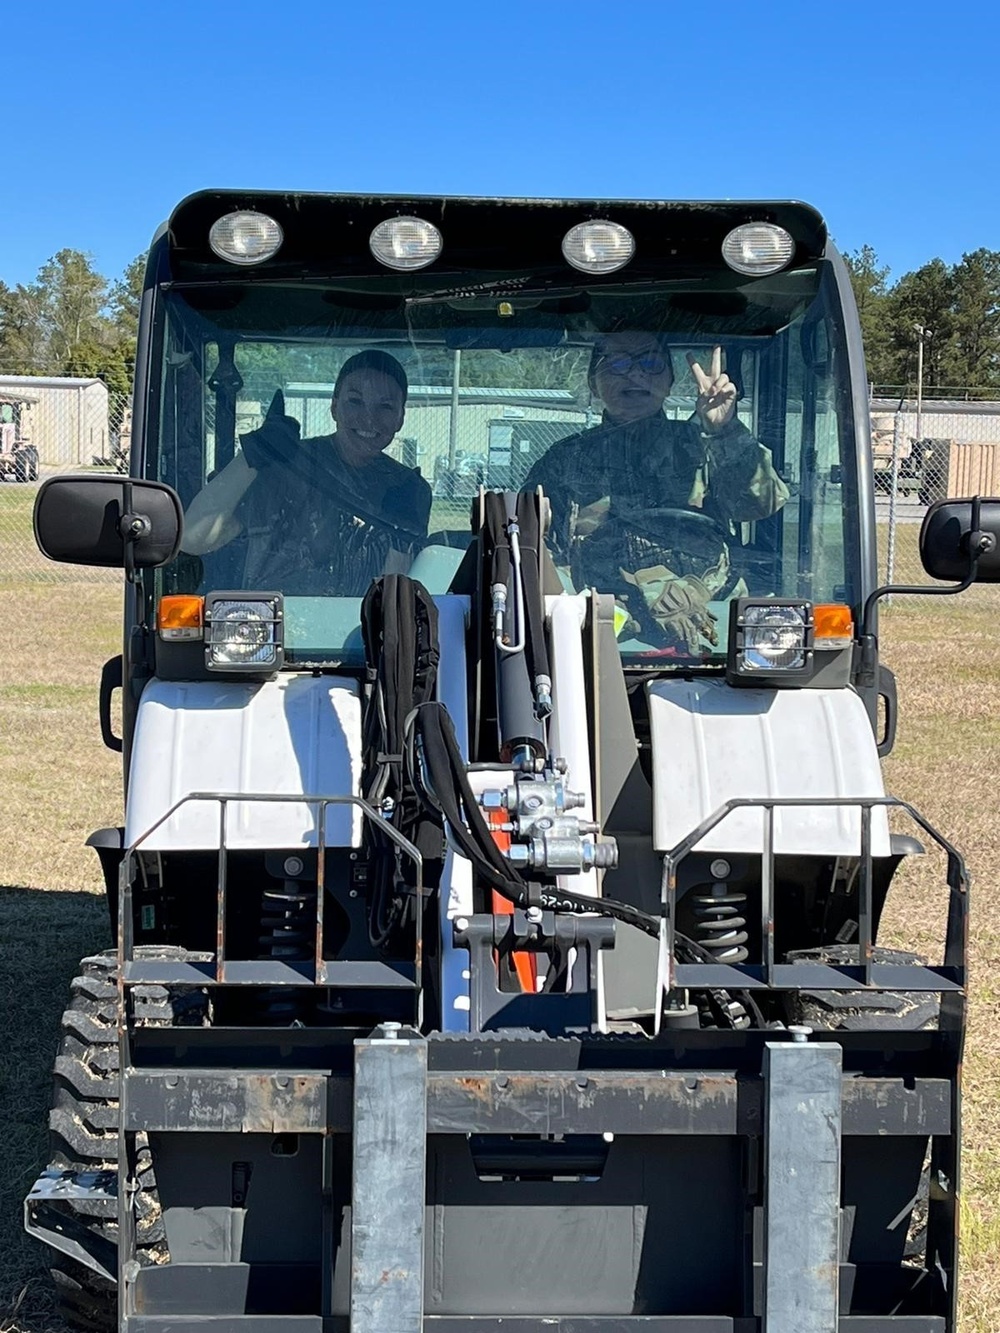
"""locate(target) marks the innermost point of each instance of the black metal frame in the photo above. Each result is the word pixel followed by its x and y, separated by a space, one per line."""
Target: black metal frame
pixel 718 1093
pixel 948 977
pixel 219 970
pixel 454 1093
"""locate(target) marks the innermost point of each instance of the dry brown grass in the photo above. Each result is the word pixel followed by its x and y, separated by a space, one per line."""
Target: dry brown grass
pixel 60 783
pixel 946 663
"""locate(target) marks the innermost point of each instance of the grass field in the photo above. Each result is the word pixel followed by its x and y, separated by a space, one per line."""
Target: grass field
pixel 59 783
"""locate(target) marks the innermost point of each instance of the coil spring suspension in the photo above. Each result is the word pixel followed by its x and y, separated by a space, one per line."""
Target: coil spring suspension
pixel 720 923
pixel 288 921
pixel 287 933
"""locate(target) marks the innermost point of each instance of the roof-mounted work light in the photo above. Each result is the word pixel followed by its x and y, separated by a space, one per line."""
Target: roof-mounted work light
pixel 758 248
pixel 245 238
pixel 406 243
pixel 598 246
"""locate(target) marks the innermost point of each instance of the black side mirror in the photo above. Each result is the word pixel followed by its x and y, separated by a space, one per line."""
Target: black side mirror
pixel 957 531
pixel 118 522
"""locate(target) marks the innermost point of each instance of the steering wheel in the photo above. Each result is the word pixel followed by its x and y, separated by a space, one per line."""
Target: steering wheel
pixel 693 522
pixel 687 541
pixel 684 541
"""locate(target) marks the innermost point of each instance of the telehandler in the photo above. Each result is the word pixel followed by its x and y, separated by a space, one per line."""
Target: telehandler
pixel 498 897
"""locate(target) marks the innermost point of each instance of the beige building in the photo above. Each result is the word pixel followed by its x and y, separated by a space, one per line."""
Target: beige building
pixel 481 435
pixel 68 418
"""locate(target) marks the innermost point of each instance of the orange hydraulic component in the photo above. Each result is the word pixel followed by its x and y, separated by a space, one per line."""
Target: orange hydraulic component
pixel 525 966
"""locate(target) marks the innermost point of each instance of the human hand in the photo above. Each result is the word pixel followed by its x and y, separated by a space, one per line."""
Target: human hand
pixel 678 605
pixel 276 440
pixel 588 519
pixel 716 404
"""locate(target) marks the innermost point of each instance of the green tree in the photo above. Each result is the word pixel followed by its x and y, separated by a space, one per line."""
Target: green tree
pixel 126 296
pixel 74 298
pixel 922 298
pixel 70 321
pixel 869 279
pixel 23 343
pixel 123 311
pixel 974 350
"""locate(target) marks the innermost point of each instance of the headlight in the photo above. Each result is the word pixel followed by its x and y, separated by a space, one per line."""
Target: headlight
pixel 405 243
pixel 244 632
pixel 245 238
pixel 775 637
pixel 769 641
pixel 598 246
pixel 758 248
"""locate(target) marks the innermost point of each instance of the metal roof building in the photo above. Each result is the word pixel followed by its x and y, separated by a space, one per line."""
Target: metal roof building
pixel 66 419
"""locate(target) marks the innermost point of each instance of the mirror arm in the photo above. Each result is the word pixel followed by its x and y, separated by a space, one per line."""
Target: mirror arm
pixel 131 526
pixel 977 543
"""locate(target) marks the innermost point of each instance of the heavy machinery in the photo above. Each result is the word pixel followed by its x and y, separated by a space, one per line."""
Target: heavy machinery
pixel 491 956
pixel 18 456
pixel 904 455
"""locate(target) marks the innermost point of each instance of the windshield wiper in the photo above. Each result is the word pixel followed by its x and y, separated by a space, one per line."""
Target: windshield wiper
pixel 514 287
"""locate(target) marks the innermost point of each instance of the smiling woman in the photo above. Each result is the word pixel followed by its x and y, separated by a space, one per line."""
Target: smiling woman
pixel 368 404
pixel 319 514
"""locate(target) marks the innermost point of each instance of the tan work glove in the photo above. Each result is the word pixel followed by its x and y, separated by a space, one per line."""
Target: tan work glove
pixel 679 603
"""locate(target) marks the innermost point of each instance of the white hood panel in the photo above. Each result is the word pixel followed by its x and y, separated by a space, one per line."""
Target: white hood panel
pixel 713 743
pixel 294 735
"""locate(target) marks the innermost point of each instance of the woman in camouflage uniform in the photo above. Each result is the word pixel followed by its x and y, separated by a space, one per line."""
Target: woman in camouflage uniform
pixel 322 516
pixel 643 504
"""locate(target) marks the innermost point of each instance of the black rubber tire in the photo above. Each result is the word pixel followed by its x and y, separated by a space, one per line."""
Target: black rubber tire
pixel 86 1301
pixel 83 1122
pixel 860 1010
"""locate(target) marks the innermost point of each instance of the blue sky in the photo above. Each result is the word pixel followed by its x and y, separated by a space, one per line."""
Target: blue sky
pixel 884 116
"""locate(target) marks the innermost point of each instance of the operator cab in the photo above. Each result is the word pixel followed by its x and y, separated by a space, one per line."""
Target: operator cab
pixel 503 357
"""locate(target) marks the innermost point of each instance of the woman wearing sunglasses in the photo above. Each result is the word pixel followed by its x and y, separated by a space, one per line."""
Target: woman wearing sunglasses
pixel 627 496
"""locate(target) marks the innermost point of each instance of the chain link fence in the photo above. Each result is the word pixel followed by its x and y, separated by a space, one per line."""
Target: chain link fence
pixel 922 453
pixel 51 424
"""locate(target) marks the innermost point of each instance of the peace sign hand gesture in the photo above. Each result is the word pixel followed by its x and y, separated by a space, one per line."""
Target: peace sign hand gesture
pixel 716 402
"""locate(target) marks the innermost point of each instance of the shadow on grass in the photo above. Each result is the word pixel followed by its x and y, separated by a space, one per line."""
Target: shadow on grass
pixel 43 935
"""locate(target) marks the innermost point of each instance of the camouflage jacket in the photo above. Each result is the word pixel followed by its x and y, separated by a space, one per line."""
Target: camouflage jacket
pixel 319 527
pixel 658 463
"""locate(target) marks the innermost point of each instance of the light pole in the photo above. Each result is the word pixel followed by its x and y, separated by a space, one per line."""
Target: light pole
pixel 923 335
pixel 456 375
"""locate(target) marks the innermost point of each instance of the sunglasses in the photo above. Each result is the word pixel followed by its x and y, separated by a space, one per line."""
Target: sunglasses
pixel 650 363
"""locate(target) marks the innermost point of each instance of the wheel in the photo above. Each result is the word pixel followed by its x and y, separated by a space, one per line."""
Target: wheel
pixel 83 1123
pixel 33 466
pixel 860 1010
pixel 20 468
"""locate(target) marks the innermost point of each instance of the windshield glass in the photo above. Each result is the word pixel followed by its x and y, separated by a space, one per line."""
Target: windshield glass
pixel 691 437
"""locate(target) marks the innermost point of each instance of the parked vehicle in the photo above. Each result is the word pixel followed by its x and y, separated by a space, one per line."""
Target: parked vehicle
pixel 18 456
